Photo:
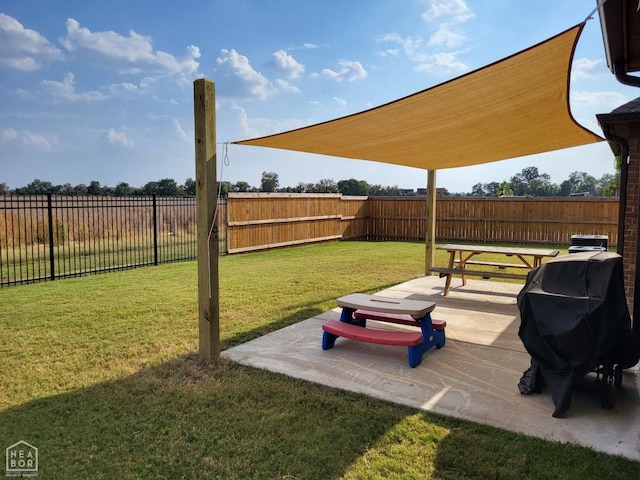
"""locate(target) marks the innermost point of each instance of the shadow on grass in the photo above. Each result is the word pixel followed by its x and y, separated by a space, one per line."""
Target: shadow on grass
pixel 302 311
pixel 186 419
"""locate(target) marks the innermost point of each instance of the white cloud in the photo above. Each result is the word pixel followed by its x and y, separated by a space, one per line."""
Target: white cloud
pixel 180 130
pixel 583 67
pixel 410 46
pixel 439 54
pixel 286 64
pixel 447 37
pixel 286 86
pixel 389 52
pixel 349 71
pixel 340 101
pixel 441 63
pixel 22 48
pixel 258 127
pixel 602 101
pixel 132 53
pixel 28 139
pixel 119 138
pixel 447 8
pixel 66 91
pixel 438 62
pixel 246 81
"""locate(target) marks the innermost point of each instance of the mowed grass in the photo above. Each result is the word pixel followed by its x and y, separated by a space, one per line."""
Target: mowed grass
pixel 101 374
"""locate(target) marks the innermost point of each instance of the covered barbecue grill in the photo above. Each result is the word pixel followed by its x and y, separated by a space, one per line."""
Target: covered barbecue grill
pixel 575 321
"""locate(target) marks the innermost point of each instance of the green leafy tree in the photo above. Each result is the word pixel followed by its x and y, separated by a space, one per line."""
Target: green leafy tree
pixel 478 190
pixel 241 187
pixel 123 189
pixel 354 187
pixel 582 182
pixel 224 188
pixel 492 189
pixel 189 187
pixel 150 188
pixel 80 189
pixel 326 185
pixel 37 187
pixel 269 182
pixel 504 190
pixel 94 188
pixel 168 187
pixel 565 188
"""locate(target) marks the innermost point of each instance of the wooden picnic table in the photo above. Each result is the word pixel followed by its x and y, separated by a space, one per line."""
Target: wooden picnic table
pixel 526 258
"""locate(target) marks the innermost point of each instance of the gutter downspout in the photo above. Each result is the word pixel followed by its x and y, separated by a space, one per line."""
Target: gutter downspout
pixel 624 171
pixel 623 77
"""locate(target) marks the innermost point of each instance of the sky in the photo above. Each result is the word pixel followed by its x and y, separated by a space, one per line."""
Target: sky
pixel 103 90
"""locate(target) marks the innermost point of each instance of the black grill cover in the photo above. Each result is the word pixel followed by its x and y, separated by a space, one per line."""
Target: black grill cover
pixel 574 317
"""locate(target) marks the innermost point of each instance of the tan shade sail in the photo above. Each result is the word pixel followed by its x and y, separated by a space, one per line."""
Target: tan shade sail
pixel 514 107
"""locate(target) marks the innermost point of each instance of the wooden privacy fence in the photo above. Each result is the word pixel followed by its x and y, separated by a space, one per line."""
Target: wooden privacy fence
pixel 267 220
pixel 264 220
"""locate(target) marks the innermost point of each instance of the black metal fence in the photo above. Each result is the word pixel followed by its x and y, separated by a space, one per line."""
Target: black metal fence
pixel 50 237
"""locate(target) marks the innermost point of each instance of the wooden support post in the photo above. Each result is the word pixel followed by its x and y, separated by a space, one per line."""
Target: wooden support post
pixel 206 202
pixel 430 227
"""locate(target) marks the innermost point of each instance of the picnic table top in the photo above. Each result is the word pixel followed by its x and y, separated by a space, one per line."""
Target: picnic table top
pixel 376 303
pixel 536 252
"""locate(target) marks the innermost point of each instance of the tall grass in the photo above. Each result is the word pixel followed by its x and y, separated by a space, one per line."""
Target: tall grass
pixel 76 235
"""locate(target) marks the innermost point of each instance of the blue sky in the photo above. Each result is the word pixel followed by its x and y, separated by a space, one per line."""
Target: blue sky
pixel 103 90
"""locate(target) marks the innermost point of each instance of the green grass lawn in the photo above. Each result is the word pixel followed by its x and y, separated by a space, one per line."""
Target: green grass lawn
pixel 101 374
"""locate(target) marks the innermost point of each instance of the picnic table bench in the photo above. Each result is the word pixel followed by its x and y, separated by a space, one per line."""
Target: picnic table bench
pixel 527 258
pixel 357 308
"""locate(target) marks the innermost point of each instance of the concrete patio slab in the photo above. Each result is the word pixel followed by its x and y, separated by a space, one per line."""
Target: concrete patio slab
pixel 474 377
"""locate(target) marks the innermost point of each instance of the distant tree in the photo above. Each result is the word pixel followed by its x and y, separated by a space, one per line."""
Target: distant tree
pixel 123 189
pixel 326 185
pixel 565 188
pixel 478 190
pixel 492 189
pixel 167 187
pixel 610 184
pixel 542 186
pixel 303 188
pixel 189 187
pixel 530 182
pixel 504 190
pixel 354 187
pixel 150 188
pixel 94 188
pixel 80 189
pixel 582 182
pixel 376 191
pixel 4 189
pixel 241 187
pixel 37 187
pixel 269 182
pixel 66 189
pixel 224 188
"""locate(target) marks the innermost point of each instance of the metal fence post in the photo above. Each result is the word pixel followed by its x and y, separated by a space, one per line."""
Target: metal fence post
pixel 155 230
pixel 52 263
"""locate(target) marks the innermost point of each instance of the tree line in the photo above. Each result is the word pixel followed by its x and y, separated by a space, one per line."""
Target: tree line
pixel 528 182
